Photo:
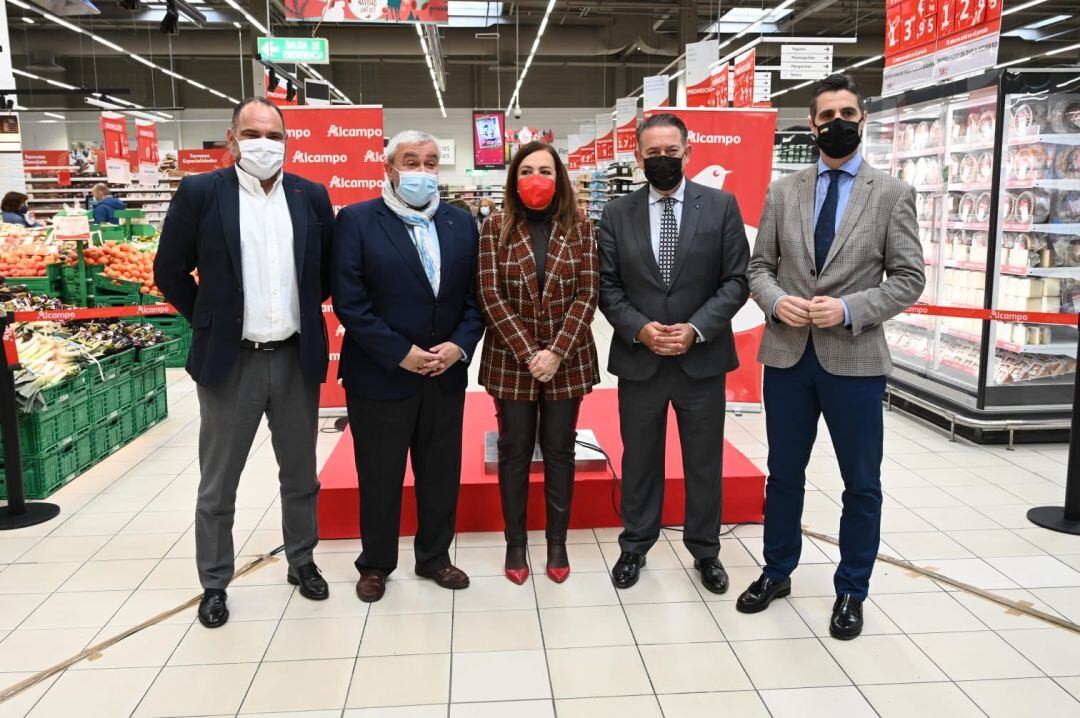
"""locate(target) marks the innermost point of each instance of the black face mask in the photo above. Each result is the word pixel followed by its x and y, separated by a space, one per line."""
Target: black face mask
pixel 24 209
pixel 838 138
pixel 664 173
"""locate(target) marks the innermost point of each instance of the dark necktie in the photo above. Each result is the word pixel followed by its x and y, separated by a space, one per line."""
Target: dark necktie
pixel 669 239
pixel 825 231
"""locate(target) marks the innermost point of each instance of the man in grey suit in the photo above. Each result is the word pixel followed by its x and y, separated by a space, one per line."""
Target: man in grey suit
pixel 673 259
pixel 837 254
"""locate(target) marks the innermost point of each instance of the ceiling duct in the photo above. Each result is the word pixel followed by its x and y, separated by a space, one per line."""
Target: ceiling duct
pixel 69 8
pixel 42 62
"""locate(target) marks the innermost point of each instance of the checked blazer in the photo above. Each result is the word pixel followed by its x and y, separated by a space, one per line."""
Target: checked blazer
pixel 878 238
pixel 520 323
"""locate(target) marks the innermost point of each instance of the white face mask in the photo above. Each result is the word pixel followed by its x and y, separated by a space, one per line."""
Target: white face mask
pixel 485 211
pixel 261 157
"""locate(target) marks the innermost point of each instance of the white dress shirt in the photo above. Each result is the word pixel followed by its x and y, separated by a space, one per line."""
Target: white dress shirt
pixel 271 291
pixel 656 211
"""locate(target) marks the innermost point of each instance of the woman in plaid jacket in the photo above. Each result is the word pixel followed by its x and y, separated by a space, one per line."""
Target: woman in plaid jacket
pixel 538 288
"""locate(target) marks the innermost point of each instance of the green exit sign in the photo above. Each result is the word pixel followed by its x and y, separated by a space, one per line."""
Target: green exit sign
pixel 315 50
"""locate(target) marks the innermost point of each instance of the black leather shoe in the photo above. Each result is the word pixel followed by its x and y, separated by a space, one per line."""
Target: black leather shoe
pixel 213 613
pixel 713 575
pixel 761 593
pixel 312 584
pixel 627 569
pixel 847 619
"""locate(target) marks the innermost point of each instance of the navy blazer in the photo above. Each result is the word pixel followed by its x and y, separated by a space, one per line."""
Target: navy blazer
pixel 202 231
pixel 385 303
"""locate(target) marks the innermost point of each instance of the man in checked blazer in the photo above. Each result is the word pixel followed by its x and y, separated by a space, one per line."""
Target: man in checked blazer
pixel 673 260
pixel 837 254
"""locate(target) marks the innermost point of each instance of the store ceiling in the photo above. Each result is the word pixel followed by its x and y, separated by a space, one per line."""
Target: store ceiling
pixel 592 51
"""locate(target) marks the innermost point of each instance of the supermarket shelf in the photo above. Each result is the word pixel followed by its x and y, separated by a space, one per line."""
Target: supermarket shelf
pixel 1070 139
pixel 916 321
pixel 1064 349
pixel 1072 229
pixel 924 152
pixel 971 147
pixel 973 226
pixel 929 187
pixel 909 354
pixel 959 187
pixel 962 369
pixel 1054 272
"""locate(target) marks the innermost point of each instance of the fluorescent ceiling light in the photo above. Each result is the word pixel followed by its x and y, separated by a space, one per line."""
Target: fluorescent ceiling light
pixel 1053 19
pixel 515 98
pixel 54 115
pixel 862 63
pixel 1022 6
pixel 250 18
pixel 1060 50
pixel 431 68
pixel 1012 62
pixel 28 20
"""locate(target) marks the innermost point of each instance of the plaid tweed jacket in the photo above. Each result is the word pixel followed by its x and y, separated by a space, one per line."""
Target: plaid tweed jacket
pixel 878 236
pixel 520 323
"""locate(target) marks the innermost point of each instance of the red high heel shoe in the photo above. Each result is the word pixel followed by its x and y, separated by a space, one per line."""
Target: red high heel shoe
pixel 558 575
pixel 517 575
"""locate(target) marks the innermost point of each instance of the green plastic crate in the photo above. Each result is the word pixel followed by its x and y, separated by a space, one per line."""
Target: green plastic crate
pixel 107 437
pixel 151 299
pixel 158 351
pixel 112 287
pixel 148 377
pixel 42 475
pixel 38 285
pixel 43 432
pixel 110 369
pixel 65 392
pixel 149 410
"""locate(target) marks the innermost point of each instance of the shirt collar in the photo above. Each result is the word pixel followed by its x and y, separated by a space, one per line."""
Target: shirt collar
pixel 678 194
pixel 253 184
pixel 850 167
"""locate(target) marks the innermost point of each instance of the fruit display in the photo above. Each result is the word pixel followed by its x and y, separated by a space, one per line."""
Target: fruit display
pixel 126 261
pixel 27 261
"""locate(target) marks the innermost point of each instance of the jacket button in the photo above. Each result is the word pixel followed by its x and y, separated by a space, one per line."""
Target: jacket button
pixel 813 272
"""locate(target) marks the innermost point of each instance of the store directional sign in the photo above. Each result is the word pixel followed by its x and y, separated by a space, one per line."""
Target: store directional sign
pixel 313 50
pixel 805 62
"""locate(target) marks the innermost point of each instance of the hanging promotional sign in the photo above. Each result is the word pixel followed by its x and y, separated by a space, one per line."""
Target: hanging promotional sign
pixel 573 152
pixel 46 161
pixel 193 162
pixel 588 145
pixel 700 57
pixel 931 40
pixel 720 81
pixel 605 139
pixel 340 148
pixel 654 92
pixel 376 11
pixel 733 151
pixel 743 94
pixel 625 128
pixel 117 163
pixel 147 141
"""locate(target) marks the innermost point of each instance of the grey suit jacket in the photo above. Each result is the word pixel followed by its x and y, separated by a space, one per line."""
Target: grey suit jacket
pixel 878 236
pixel 708 282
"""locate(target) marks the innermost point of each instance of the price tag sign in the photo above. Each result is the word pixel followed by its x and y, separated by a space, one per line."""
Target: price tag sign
pixel 71 228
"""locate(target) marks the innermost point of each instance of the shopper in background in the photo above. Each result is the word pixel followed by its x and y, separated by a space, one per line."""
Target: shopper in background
pixel 16 211
pixel 819 280
pixel 485 208
pixel 259 238
pixel 404 282
pixel 105 205
pixel 539 283
pixel 673 260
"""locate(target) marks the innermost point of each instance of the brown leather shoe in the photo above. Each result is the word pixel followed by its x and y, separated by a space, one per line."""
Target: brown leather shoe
pixel 450 577
pixel 371 586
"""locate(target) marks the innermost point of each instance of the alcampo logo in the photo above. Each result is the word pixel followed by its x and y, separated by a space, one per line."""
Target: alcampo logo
pixel 347 183
pixel 703 139
pixel 301 157
pixel 365 132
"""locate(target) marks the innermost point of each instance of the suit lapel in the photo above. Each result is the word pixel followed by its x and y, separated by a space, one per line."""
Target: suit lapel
pixel 521 249
pixel 807 190
pixel 297 201
pixel 445 227
pixel 691 211
pixel 857 201
pixel 643 235
pixel 401 239
pixel 556 250
pixel 229 207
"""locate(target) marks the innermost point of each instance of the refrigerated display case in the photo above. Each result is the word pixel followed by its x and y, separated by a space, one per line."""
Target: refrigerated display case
pixel 995 162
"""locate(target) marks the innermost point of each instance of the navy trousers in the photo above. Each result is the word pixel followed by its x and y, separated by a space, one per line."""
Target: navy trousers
pixel 794 400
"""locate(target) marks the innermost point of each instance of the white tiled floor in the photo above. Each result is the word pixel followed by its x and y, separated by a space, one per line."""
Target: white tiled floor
pixel 122 551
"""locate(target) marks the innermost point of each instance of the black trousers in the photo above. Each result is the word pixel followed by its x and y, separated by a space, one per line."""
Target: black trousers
pixel 643 412
pixel 518 424
pixel 428 427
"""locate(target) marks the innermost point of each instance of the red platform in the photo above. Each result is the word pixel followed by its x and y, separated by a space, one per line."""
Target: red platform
pixel 479 508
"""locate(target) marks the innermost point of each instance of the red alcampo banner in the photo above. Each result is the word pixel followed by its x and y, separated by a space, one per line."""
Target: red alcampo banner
pixel 341 148
pixel 732 150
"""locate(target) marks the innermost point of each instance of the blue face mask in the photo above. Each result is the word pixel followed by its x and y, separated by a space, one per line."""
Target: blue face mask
pixel 417 189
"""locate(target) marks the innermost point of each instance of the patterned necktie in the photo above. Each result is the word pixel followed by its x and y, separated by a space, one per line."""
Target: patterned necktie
pixel 429 254
pixel 669 239
pixel 825 231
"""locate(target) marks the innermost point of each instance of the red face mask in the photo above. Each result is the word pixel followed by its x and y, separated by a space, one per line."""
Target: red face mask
pixel 536 190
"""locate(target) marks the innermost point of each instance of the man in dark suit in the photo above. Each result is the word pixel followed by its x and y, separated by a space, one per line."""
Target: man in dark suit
pixel 673 261
pixel 404 286
pixel 259 238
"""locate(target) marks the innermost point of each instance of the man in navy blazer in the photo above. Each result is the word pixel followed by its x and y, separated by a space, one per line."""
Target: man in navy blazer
pixel 404 288
pixel 259 238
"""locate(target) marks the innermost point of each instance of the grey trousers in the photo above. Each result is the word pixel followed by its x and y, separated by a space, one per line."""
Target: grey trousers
pixel 269 382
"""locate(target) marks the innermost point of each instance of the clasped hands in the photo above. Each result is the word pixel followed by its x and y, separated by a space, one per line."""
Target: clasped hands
pixel 667 340
pixel 822 312
pixel 432 362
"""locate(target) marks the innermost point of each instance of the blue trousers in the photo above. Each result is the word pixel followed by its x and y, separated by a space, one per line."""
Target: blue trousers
pixel 794 400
